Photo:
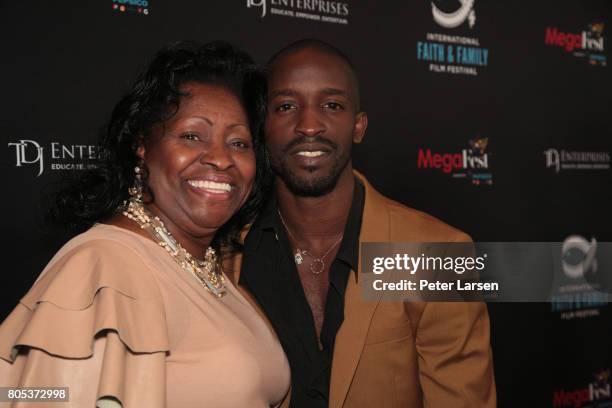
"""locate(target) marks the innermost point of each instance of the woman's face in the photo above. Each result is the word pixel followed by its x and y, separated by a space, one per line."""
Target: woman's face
pixel 201 162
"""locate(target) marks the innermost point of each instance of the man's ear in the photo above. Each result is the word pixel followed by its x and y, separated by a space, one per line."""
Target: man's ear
pixel 361 124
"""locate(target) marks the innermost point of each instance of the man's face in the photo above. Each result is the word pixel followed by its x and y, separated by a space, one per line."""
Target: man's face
pixel 312 120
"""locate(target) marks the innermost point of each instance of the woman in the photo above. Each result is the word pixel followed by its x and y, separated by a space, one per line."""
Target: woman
pixel 135 312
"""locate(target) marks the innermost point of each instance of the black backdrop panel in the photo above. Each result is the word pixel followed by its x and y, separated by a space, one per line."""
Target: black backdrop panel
pixel 466 145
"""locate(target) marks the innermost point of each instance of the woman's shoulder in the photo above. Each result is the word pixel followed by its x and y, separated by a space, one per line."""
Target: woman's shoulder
pixel 106 238
pixel 98 281
pixel 103 257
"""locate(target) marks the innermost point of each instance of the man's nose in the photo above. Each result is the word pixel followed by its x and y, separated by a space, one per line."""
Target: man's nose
pixel 217 155
pixel 310 123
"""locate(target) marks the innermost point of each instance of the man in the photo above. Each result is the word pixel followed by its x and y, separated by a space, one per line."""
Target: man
pixel 301 259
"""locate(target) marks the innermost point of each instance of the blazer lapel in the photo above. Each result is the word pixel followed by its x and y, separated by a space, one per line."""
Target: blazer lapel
pixel 358 312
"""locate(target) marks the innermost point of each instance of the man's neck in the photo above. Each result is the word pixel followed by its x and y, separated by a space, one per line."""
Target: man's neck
pixel 315 220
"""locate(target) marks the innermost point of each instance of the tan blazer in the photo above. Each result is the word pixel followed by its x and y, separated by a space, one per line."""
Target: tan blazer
pixel 413 354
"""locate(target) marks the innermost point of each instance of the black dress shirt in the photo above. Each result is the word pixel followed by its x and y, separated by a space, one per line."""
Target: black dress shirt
pixel 270 274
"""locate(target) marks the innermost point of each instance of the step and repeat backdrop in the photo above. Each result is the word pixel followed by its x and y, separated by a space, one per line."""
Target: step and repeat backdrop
pixel 494 116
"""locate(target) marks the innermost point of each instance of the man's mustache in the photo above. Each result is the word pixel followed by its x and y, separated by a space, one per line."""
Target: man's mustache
pixel 309 139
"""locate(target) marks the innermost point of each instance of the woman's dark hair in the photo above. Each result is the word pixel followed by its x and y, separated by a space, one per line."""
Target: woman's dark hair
pixel 154 98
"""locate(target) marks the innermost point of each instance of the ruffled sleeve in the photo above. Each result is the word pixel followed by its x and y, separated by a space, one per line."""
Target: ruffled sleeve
pixel 94 322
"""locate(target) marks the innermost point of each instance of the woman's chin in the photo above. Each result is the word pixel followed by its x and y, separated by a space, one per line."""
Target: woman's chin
pixel 212 220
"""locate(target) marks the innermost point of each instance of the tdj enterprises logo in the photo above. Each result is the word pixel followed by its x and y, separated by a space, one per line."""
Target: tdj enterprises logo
pixel 138 6
pixel 29 152
pixel 327 11
pixel 472 162
pixel 63 157
pixel 449 53
pixel 258 3
pixel 576 160
pixel 456 16
pixel 589 43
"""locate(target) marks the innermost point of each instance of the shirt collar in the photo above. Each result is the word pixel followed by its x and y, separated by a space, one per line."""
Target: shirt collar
pixel 349 247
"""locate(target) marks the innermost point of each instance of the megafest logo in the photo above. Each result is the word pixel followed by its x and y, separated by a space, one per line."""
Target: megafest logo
pixel 30 153
pixel 579 293
pixel 137 6
pixel 561 160
pixel 450 53
pixel 588 44
pixel 326 11
pixel 597 393
pixel 470 163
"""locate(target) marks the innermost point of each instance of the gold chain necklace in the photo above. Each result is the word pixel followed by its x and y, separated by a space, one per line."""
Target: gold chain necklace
pixel 318 263
pixel 206 272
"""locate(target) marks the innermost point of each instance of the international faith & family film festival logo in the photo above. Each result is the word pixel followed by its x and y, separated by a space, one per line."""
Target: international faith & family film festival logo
pixel 589 43
pixel 579 291
pixel 471 163
pixel 54 156
pixel 135 6
pixel 326 11
pixel 453 50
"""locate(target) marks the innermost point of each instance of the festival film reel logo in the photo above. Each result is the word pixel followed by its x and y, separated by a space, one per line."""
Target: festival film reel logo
pixel 578 256
pixel 451 14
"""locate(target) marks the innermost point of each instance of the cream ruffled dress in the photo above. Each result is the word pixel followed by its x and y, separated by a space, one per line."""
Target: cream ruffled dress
pixel 116 320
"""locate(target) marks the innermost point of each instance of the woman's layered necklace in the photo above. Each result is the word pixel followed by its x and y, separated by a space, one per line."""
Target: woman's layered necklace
pixel 207 272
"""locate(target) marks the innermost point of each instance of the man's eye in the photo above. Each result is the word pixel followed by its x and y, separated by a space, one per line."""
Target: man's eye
pixel 191 136
pixel 285 107
pixel 334 106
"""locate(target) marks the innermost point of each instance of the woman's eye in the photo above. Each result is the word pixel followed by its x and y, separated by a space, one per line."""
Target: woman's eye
pixel 241 144
pixel 191 136
pixel 285 107
pixel 334 106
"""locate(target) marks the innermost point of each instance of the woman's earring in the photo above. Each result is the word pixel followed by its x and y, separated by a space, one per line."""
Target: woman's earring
pixel 136 190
